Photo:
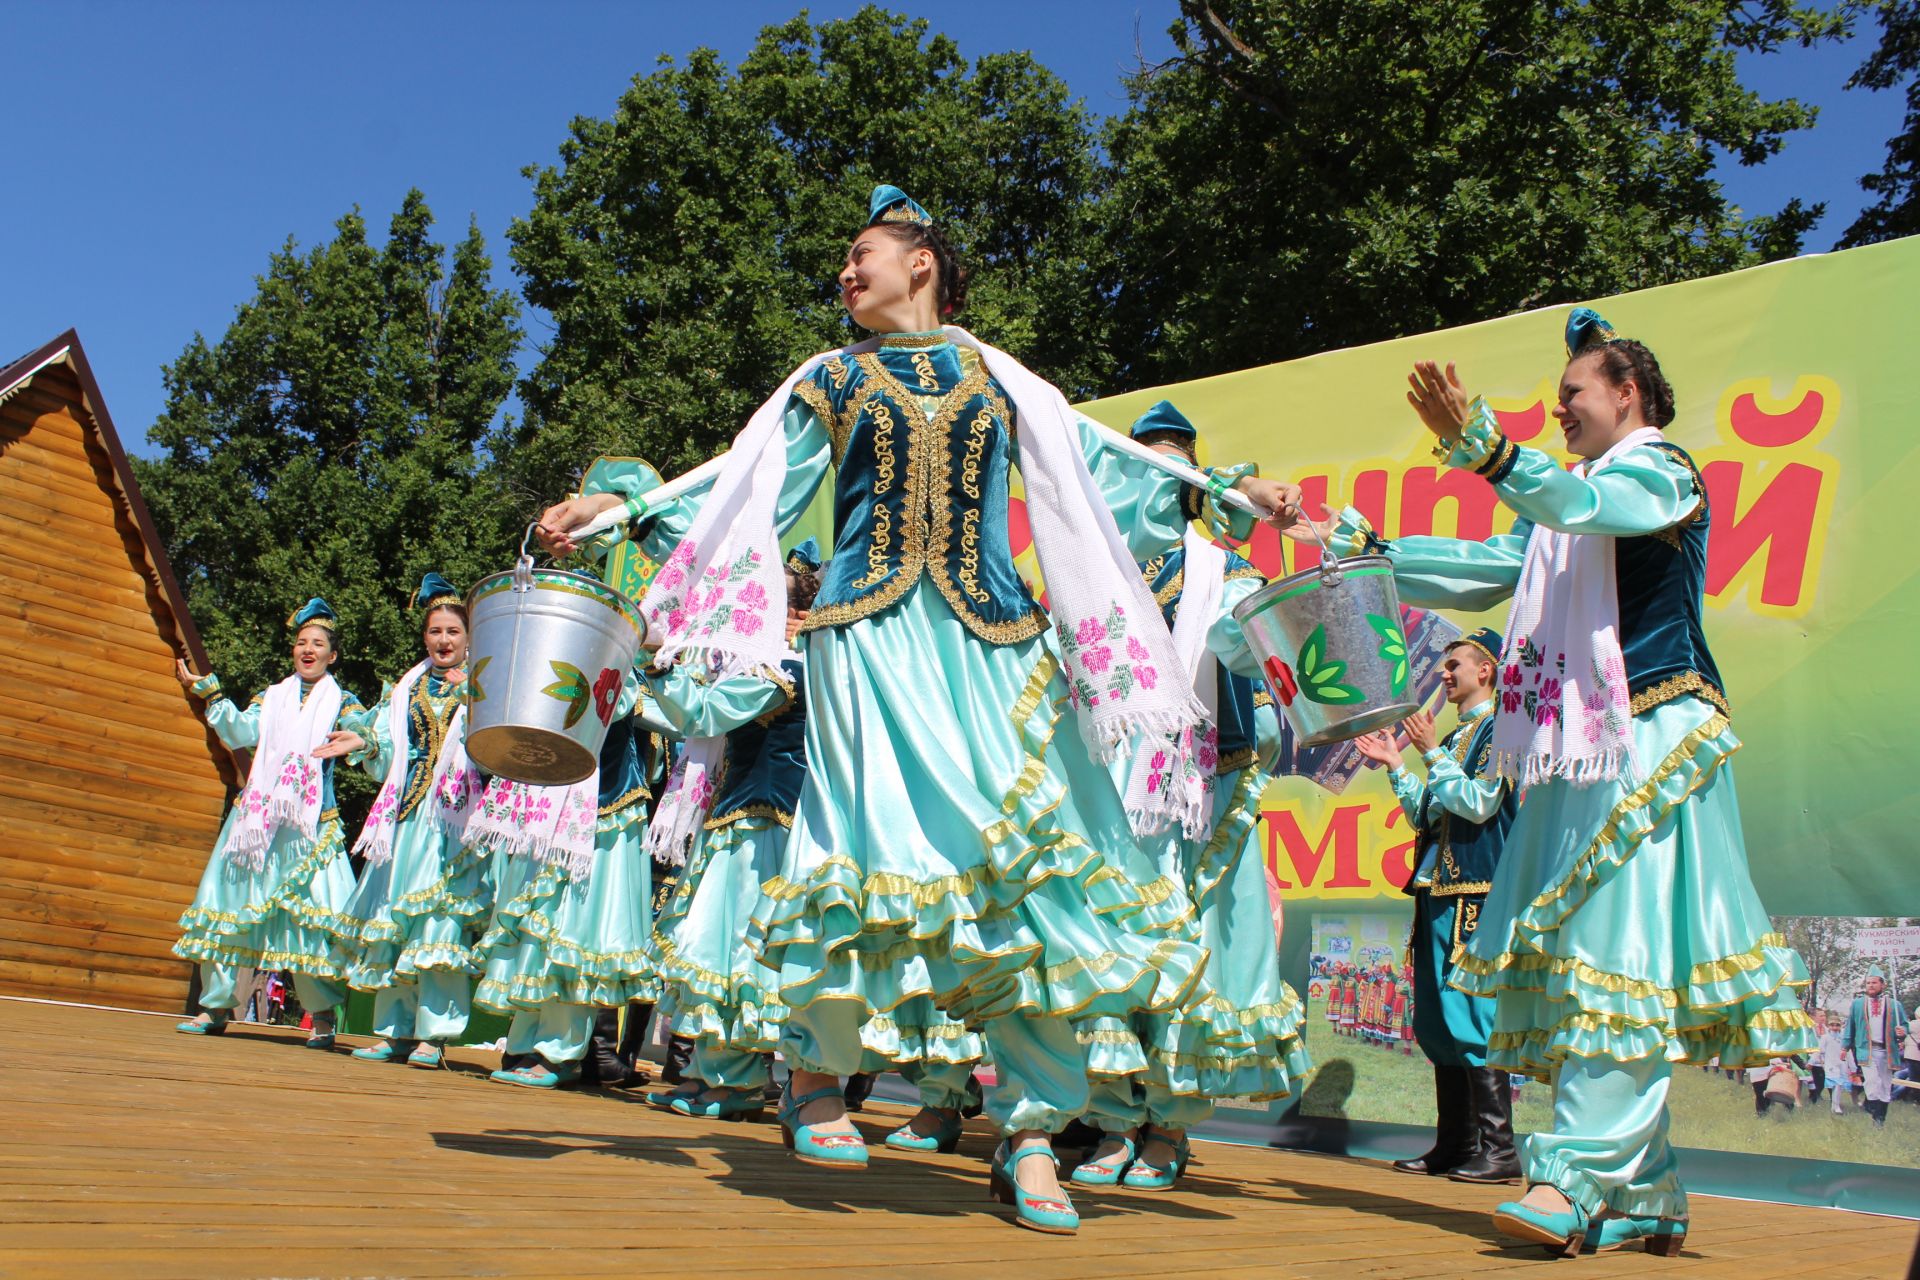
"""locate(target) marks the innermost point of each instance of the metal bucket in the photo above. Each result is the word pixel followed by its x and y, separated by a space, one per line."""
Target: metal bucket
pixel 1330 644
pixel 550 651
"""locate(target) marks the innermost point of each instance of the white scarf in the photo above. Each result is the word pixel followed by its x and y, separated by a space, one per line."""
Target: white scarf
pixel 1165 784
pixel 454 780
pixel 723 591
pixel 283 786
pixel 1562 688
pixel 551 825
pixel 689 794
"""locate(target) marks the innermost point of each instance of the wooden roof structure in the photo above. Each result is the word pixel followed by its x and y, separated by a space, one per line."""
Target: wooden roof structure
pixel 111 787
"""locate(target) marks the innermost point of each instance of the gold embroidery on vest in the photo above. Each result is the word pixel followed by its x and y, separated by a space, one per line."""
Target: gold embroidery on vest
pixel 970 556
pixel 877 548
pixel 883 462
pixel 923 367
pixel 976 445
pixel 837 372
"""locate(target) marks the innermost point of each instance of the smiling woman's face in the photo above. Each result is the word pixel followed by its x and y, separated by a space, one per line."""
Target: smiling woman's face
pixel 887 287
pixel 446 639
pixel 1592 412
pixel 313 651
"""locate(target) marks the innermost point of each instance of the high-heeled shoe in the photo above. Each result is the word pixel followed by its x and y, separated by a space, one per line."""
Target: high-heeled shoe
pixel 734 1104
pixel 1563 1232
pixel 1055 1216
pixel 1661 1236
pixel 831 1150
pixel 943 1139
pixel 1145 1175
pixel 1099 1173
pixel 427 1055
pixel 215 1025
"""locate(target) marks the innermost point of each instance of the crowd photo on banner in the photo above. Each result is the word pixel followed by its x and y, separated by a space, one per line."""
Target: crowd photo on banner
pixel 935 634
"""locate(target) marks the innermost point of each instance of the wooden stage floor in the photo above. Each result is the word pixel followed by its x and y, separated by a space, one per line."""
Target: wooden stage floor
pixel 129 1150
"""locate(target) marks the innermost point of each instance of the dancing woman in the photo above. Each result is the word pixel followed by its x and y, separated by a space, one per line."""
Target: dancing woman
pixel 422 892
pixel 949 843
pixel 279 872
pixel 1622 933
pixel 1158 1073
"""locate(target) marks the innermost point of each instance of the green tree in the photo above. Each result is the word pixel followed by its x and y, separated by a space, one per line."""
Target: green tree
pixel 1896 212
pixel 328 445
pixel 1300 177
pixel 686 248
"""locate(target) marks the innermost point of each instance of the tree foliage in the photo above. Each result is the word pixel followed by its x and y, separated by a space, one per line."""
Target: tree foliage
pixel 329 444
pixel 1896 210
pixel 686 248
pixel 1301 177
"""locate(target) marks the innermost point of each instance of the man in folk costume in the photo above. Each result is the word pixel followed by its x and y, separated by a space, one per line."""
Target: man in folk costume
pixel 1460 814
pixel 1872 1036
pixel 1157 1074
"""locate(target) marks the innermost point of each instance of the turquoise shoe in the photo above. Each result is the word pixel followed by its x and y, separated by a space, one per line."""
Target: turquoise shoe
pixel 214 1026
pixel 1661 1236
pixel 737 1104
pixel 1145 1175
pixel 1036 1213
pixel 1563 1233
pixel 1099 1173
pixel 320 1042
pixel 427 1056
pixel 830 1150
pixel 385 1051
pixel 944 1139
pixel 665 1098
pixel 536 1075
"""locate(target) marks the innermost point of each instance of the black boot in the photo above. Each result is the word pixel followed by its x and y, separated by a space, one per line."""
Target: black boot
pixel 1453 1139
pixel 679 1058
pixel 1492 1116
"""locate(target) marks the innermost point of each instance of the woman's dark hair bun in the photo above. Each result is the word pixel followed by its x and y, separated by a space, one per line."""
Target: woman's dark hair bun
pixel 953 276
pixel 1625 360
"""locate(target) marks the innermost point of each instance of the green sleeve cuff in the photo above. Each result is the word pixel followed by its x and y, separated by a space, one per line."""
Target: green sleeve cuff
pixel 1482 447
pixel 1238 524
pixel 207 686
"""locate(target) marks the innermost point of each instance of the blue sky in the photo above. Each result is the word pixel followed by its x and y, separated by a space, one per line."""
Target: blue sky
pixel 162 151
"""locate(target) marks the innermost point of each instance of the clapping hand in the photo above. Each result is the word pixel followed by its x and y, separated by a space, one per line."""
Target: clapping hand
pixel 1439 399
pixel 1379 748
pixel 1420 732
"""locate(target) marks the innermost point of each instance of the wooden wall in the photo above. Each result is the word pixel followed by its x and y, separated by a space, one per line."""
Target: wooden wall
pixel 111 788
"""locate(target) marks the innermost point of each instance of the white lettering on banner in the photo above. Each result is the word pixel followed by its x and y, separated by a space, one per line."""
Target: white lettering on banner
pixel 1901 941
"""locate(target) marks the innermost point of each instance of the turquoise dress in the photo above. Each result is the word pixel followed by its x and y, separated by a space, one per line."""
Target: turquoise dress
pixel 955 842
pixel 411 922
pixel 282 916
pixel 559 946
pixel 1621 933
pixel 1244 1040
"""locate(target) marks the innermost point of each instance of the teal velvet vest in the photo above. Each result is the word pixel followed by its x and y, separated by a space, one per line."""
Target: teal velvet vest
pixel 1661 582
pixel 1469 851
pixel 625 760
pixel 919 491
pixel 1239 698
pixel 766 762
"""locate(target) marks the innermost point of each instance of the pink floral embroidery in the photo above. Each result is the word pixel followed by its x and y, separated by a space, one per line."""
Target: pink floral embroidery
pixel 1090 631
pixel 1137 651
pixel 754 596
pixel 1147 676
pixel 745 623
pixel 1096 659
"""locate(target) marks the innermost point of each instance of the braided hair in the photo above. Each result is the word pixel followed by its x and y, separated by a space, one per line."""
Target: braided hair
pixel 1624 360
pixel 950 275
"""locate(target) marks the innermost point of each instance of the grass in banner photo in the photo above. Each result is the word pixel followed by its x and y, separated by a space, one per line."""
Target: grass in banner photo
pixel 1363 952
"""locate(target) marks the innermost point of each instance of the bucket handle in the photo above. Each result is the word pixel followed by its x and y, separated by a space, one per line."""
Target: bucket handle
pixel 523 567
pixel 1329 562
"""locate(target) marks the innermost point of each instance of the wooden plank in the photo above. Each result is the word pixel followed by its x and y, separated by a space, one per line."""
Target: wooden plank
pixel 90 505
pixel 44 589
pixel 164 772
pixel 24 575
pixel 95 726
pixel 155 688
pixel 62 540
pixel 36 453
pixel 90 489
pixel 64 788
pixel 109 943
pixel 83 767
pixel 102 983
pixel 27 952
pixel 20 874
pixel 47 617
pixel 134 828
pixel 31 905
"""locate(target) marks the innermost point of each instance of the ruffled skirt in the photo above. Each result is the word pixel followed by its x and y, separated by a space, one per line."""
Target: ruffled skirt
pixel 282 916
pixel 957 842
pixel 1632 927
pixel 419 911
pixel 1244 1040
pixel 558 940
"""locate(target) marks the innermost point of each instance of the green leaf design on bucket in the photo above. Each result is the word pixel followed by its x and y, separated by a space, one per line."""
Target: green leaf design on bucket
pixel 1393 648
pixel 1319 676
pixel 475 693
pixel 572 688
